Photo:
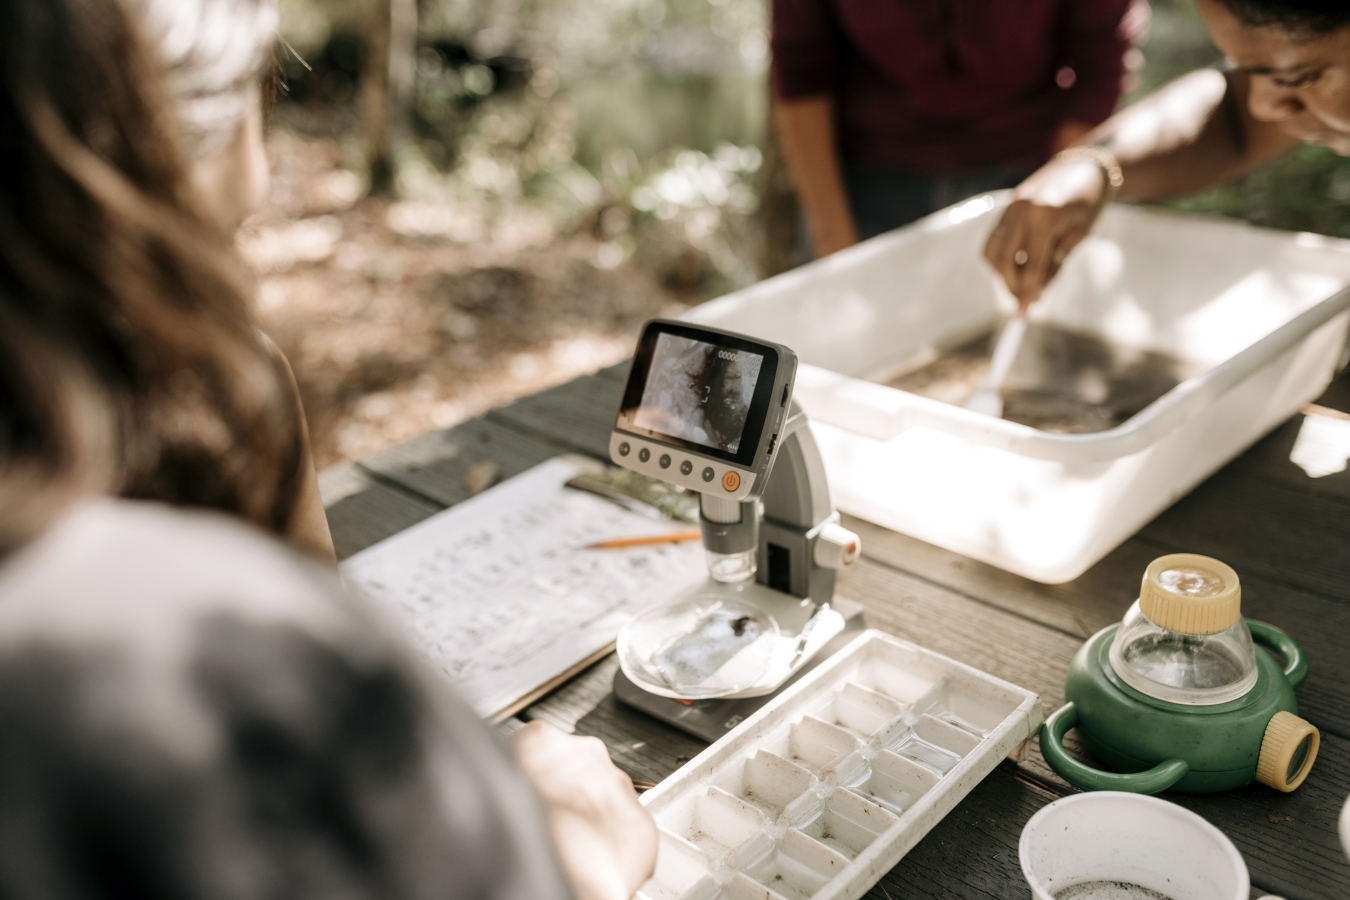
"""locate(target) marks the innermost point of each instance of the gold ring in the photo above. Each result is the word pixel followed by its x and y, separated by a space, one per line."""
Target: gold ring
pixel 1020 258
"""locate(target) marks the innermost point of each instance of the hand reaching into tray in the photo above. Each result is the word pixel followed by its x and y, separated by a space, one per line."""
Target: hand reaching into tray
pixel 1050 213
pixel 605 840
pixel 1202 130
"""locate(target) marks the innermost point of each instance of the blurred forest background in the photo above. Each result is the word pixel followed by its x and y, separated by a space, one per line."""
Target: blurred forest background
pixel 546 175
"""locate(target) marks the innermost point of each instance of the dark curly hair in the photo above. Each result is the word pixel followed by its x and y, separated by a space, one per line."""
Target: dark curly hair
pixel 1311 17
pixel 129 362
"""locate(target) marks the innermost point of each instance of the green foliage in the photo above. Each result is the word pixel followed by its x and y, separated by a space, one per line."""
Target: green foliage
pixel 1306 190
pixel 579 105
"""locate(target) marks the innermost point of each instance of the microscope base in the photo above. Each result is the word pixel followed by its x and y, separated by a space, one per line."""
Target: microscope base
pixel 710 719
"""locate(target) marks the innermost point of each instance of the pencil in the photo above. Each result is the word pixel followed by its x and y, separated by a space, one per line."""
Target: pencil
pixel 670 537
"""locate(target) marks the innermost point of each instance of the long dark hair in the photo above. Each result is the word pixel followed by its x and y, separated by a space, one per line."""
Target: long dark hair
pixel 129 363
pixel 1303 17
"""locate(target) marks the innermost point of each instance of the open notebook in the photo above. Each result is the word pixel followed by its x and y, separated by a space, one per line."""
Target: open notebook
pixel 499 594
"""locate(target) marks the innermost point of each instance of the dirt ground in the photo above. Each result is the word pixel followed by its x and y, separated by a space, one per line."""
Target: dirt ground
pixel 400 317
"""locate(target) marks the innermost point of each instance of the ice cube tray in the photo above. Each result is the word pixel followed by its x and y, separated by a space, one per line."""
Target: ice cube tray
pixel 824 789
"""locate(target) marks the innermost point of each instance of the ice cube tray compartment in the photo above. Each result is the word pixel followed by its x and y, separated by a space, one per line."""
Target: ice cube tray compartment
pixel 797 866
pixel 714 821
pixel 825 788
pixel 679 866
pixel 767 782
pixel 847 823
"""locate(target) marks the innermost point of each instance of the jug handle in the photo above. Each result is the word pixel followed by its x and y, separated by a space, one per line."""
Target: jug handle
pixel 1295 660
pixel 1159 778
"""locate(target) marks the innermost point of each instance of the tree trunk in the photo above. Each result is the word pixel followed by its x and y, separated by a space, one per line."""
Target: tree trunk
pixel 387 85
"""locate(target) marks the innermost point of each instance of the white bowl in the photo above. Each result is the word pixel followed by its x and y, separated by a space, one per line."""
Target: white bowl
pixel 1127 840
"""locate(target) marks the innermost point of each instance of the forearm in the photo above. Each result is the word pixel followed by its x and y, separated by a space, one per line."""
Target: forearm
pixel 1193 134
pixel 1069 132
pixel 807 133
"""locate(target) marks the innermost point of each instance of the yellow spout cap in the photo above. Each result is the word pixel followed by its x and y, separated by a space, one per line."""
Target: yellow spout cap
pixel 1287 751
pixel 1191 594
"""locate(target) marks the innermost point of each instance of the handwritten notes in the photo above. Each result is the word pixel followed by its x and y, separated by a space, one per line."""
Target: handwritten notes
pixel 498 593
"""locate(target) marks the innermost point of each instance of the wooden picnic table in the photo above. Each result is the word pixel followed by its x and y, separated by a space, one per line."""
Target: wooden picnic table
pixel 1288 536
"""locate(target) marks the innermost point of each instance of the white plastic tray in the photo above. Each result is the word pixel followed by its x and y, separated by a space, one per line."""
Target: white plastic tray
pixel 822 791
pixel 1262 312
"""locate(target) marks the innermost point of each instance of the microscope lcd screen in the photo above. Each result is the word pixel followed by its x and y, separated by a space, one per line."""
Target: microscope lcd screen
pixel 698 392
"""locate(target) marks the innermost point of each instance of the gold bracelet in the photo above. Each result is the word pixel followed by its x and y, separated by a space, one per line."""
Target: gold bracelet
pixel 1104 158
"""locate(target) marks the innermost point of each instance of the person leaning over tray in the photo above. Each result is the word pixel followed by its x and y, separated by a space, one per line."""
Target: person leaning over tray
pixel 190 706
pixel 890 111
pixel 1287 81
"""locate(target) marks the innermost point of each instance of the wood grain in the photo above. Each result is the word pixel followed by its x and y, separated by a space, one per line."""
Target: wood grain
pixel 1269 459
pixel 436 465
pixel 363 511
pixel 1298 538
pixel 578 415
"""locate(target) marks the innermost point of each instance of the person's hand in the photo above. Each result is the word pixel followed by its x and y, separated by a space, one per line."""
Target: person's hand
pixel 605 840
pixel 1050 213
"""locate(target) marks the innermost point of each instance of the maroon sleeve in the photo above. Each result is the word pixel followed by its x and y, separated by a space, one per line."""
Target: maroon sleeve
pixel 806 47
pixel 1096 37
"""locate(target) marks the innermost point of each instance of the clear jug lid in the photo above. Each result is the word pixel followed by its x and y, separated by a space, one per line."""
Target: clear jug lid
pixel 1184 640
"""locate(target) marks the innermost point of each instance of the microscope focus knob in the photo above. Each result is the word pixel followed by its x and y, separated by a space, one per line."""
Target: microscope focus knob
pixel 837 547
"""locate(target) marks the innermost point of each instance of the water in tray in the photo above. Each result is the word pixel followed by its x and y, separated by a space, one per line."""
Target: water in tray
pixel 1063 381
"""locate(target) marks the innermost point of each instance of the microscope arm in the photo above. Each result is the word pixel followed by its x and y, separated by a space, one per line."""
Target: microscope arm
pixel 798 494
pixel 801 542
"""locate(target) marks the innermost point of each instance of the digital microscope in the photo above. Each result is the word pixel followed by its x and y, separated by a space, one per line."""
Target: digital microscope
pixel 712 411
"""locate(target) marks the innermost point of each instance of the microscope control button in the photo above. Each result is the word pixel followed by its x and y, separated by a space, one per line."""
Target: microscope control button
pixel 665 460
pixel 644 454
pixel 708 474
pixel 686 467
pixel 731 481
pixel 624 448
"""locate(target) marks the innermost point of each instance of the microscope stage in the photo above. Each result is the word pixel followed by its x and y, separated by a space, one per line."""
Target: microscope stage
pixel 710 719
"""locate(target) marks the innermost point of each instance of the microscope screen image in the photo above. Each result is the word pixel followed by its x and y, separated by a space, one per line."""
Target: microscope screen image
pixel 698 392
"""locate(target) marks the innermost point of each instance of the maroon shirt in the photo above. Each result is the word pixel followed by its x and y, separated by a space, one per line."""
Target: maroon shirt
pixel 947 87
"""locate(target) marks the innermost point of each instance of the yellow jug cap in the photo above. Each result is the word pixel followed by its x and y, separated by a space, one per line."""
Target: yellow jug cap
pixel 1287 751
pixel 1191 594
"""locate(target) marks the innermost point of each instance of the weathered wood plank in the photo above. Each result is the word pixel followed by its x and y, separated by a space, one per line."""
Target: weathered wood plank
pixel 438 465
pixel 1337 394
pixel 1101 596
pixel 579 415
pixel 619 371
pixel 1079 608
pixel 362 511
pixel 1296 538
pixel 972 853
pixel 1269 459
pixel 1288 840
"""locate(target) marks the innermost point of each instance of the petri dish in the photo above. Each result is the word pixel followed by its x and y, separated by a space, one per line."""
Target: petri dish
pixel 702 646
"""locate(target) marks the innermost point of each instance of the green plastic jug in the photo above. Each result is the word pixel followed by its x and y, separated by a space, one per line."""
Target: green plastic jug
pixel 1176 696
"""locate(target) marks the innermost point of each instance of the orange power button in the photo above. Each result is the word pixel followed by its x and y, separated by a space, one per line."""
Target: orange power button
pixel 731 481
